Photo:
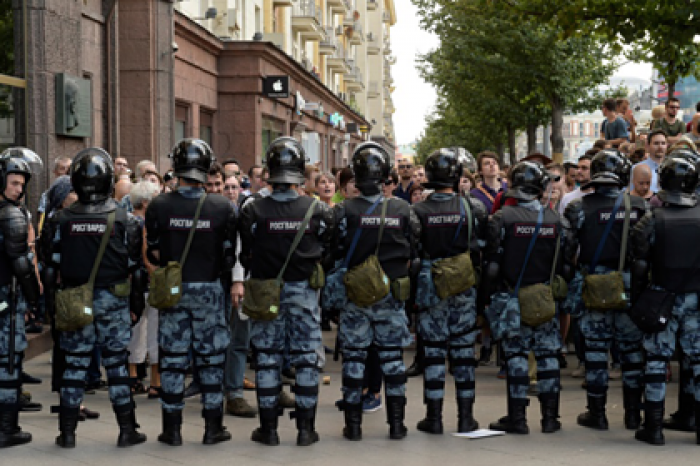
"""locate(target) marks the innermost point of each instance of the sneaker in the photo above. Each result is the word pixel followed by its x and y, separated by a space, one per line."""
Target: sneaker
pixel 239 407
pixel 502 373
pixel 192 390
pixel 287 400
pixel 371 403
pixel 579 372
pixel 615 373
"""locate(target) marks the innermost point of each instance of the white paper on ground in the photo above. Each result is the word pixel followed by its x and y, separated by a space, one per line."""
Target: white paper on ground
pixel 481 433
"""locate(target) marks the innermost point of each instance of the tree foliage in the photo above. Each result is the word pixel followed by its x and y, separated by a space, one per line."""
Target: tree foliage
pixel 501 71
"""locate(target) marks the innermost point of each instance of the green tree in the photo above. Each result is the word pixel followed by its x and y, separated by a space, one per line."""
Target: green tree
pixel 655 31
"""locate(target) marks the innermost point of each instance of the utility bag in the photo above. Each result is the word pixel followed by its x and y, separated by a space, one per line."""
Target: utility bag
pixel 262 296
pixel 74 305
pixel 166 282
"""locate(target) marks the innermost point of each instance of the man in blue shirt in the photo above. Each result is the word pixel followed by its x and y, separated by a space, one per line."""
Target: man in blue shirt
pixel 403 189
pixel 656 150
pixel 615 127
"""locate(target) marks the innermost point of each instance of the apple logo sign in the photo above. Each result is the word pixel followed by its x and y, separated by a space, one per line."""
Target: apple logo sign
pixel 277 86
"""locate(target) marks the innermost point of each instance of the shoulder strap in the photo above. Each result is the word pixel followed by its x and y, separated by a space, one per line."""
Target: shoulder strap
pixel 625 232
pixel 103 246
pixel 486 193
pixel 608 227
pixel 356 238
pixel 556 256
pixel 381 225
pixel 192 230
pixel 536 233
pixel 297 238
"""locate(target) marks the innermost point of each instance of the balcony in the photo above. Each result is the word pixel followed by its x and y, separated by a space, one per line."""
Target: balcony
pixel 337 6
pixel 354 81
pixel 282 2
pixel 387 47
pixel 372 5
pixel 357 37
pixel 328 45
pixel 373 91
pixel 386 17
pixel 306 20
pixel 373 47
pixel 337 61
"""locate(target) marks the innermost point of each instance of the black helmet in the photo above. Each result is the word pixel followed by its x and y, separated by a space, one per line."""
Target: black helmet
pixel 609 168
pixel 286 161
pixel 370 163
pixel 678 178
pixel 687 154
pixel 466 158
pixel 192 159
pixel 528 180
pixel 92 175
pixel 443 169
pixel 9 165
pixel 36 165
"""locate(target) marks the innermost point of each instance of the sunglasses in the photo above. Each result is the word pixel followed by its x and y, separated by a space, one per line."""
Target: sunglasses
pixel 405 167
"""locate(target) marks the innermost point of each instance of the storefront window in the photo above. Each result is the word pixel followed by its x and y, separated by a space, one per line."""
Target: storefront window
pixel 272 129
pixel 206 129
pixel 9 124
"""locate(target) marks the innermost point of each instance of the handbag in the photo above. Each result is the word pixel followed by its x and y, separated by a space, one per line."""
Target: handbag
pixel 74 305
pixel 166 282
pixel 262 296
pixel 606 292
pixel 536 301
pixel 366 283
pixel 455 275
pixel 334 295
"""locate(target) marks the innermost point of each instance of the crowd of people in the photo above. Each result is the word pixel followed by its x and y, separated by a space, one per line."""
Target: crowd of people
pixel 201 269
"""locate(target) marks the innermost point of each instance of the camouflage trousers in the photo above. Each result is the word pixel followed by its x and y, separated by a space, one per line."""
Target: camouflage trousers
pixel 298 327
pixel 111 331
pixel 544 341
pixel 599 329
pixel 684 325
pixel 384 324
pixel 9 382
pixel 451 324
pixel 198 324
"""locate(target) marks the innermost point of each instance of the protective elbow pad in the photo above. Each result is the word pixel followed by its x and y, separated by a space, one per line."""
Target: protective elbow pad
pixel 26 277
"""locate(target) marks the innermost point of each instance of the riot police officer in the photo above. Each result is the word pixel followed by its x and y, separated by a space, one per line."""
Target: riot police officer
pixel 600 238
pixel 268 229
pixel 76 234
pixel 659 242
pixel 197 323
pixel 383 323
pixel 451 227
pixel 521 247
pixel 15 264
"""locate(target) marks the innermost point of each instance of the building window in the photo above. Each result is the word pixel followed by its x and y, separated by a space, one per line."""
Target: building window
pixel 182 119
pixel 12 83
pixel 580 129
pixel 206 127
pixel 271 130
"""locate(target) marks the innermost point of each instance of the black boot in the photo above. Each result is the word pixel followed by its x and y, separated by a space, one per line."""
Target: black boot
pixel 214 430
pixel 485 355
pixel 306 427
pixel 172 428
pixel 684 418
pixel 415 369
pixel 353 421
pixel 652 432
pixel 697 422
pixel 516 420
pixel 595 416
pixel 432 424
pixel 67 423
pixel 267 432
pixel 395 410
pixel 549 406
pixel 126 418
pixel 632 400
pixel 465 415
pixel 10 432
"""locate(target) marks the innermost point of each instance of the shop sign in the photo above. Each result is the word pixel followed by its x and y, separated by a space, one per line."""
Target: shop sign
pixel 300 103
pixel 336 119
pixel 276 87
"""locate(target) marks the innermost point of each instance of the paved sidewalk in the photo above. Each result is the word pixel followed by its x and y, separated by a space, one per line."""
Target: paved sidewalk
pixel 574 445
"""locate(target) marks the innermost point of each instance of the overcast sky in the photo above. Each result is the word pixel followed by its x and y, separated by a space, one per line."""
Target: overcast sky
pixel 413 98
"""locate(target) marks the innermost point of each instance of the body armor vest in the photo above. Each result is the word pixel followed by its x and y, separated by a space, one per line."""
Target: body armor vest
pixel 395 250
pixel 519 224
pixel 174 214
pixel 277 223
pixel 597 209
pixel 81 234
pixel 439 221
pixel 676 260
pixel 7 222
